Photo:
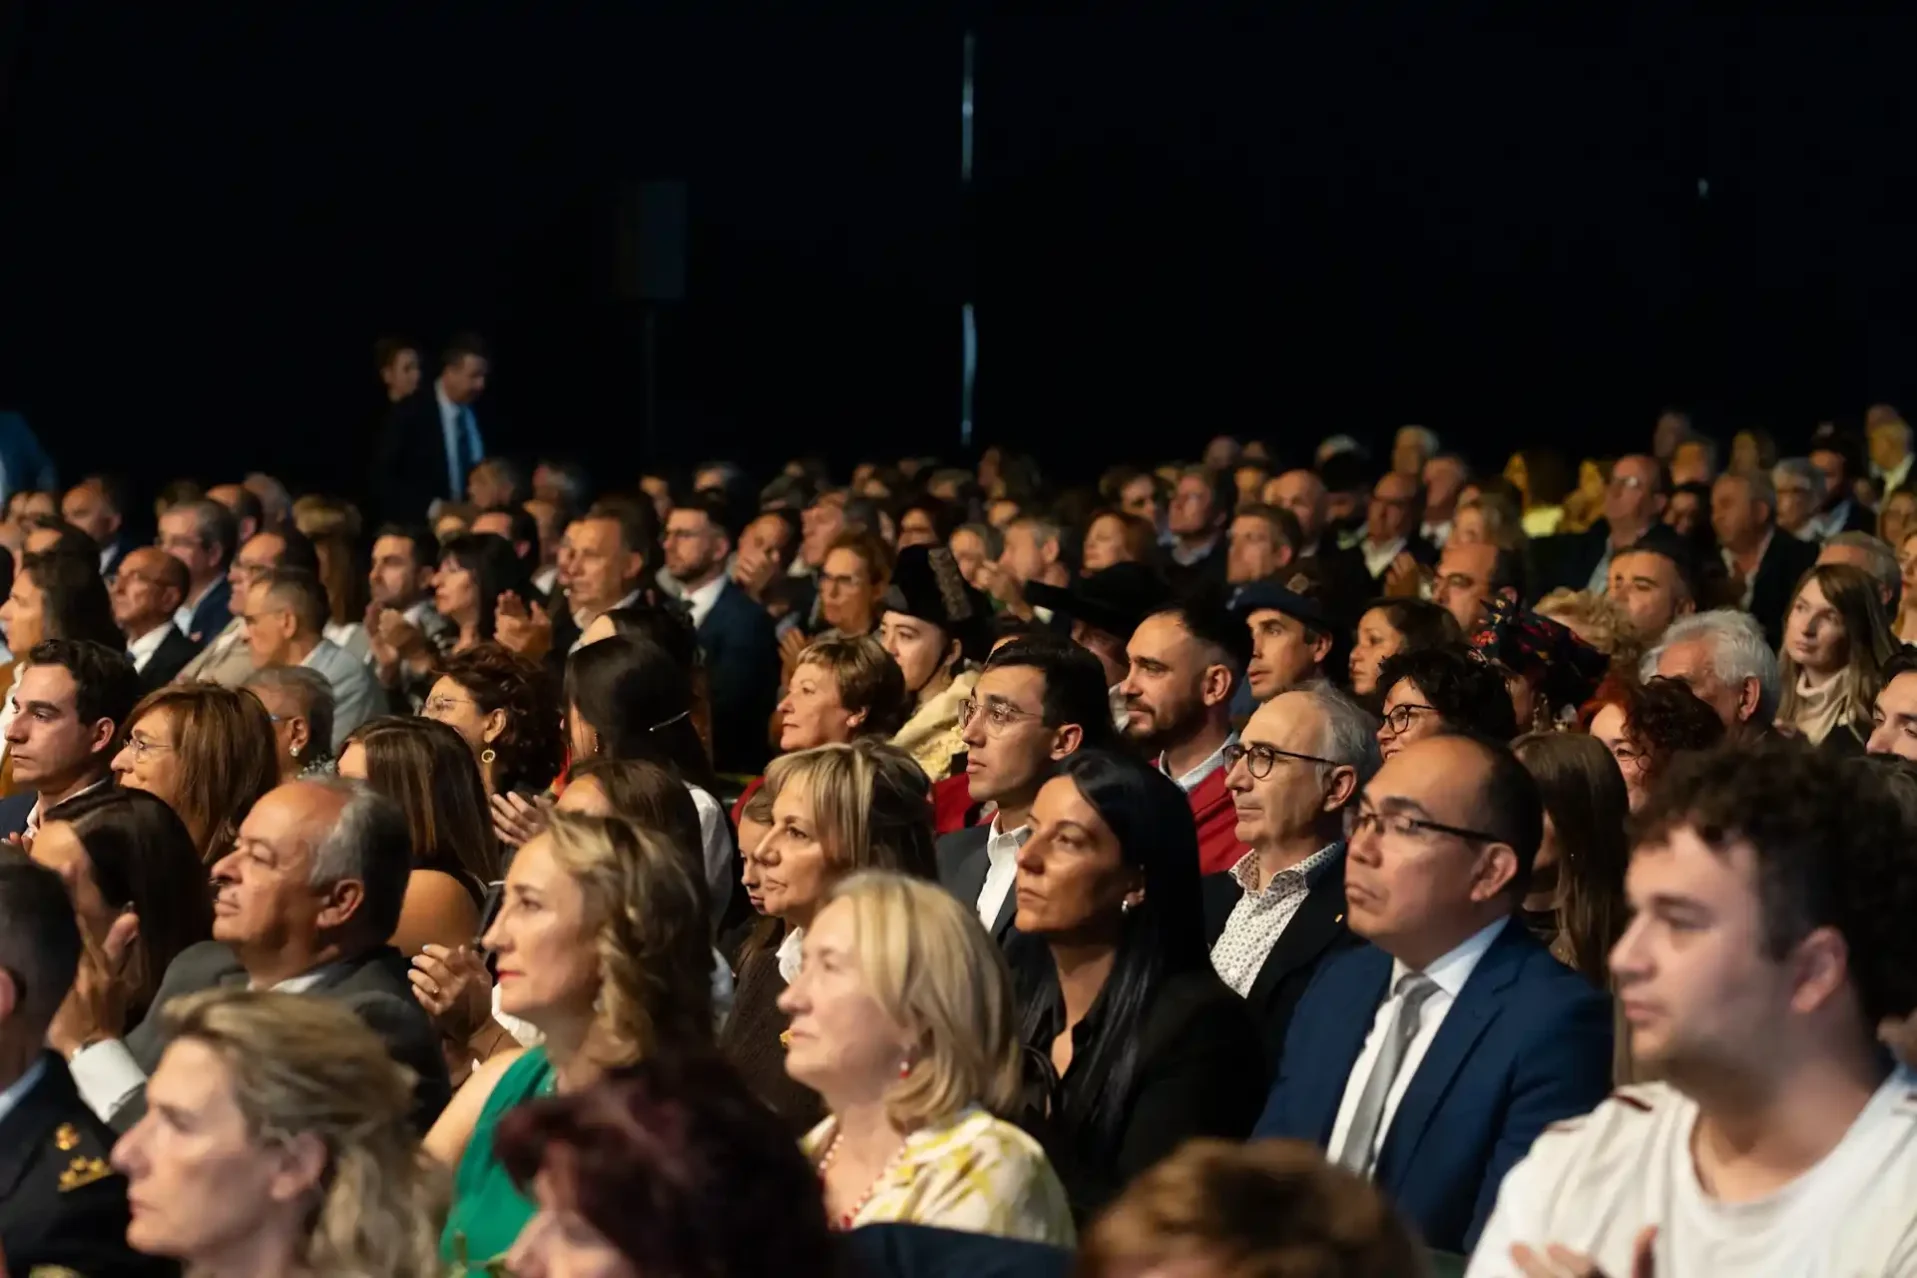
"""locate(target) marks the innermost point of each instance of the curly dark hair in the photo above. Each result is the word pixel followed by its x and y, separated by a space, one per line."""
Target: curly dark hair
pixel 1468 694
pixel 530 751
pixel 1831 846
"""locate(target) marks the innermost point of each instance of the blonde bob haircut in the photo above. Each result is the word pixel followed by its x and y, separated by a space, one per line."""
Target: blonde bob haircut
pixel 932 968
pixel 647 919
pixel 309 1067
pixel 871 803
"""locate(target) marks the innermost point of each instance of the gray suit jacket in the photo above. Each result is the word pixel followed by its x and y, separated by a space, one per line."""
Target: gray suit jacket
pixel 962 868
pixel 373 985
pixel 357 696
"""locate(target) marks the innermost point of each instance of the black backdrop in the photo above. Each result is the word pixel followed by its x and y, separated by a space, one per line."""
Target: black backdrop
pixel 1276 224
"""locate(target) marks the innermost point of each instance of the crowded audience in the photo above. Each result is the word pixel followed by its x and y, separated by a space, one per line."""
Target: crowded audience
pixel 1298 859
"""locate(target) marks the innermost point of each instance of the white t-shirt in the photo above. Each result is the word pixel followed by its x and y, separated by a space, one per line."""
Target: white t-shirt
pixel 1592 1184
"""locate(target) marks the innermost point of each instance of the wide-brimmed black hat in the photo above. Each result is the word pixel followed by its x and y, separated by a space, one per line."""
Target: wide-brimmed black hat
pixel 927 584
pixel 1115 599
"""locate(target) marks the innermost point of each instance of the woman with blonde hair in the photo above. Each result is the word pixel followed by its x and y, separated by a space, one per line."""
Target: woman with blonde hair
pixel 835 810
pixel 208 751
pixel 601 944
pixel 301 1160
pixel 1836 641
pixel 1597 620
pixel 904 1022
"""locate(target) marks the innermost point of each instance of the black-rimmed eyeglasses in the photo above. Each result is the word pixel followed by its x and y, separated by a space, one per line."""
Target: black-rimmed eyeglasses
pixel 1361 819
pixel 1261 759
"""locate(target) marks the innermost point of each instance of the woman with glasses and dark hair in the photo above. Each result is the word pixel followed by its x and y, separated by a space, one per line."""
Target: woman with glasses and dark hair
pixel 475 569
pixel 1139 1044
pixel 503 707
pixel 1438 690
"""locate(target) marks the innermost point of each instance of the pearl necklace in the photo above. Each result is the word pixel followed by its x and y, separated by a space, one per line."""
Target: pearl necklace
pixel 844 1222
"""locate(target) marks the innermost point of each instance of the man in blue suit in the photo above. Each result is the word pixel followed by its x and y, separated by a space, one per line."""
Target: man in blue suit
pixel 1431 1058
pixel 735 634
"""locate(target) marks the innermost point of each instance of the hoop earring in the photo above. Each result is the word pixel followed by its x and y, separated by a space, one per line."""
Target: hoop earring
pixel 487 755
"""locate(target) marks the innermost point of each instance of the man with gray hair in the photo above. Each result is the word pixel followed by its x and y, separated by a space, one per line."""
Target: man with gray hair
pixel 1800 495
pixel 1721 656
pixel 1301 761
pixel 1875 557
pixel 304 904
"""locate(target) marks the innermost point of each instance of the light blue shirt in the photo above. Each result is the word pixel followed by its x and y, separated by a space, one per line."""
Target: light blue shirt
pixel 459 427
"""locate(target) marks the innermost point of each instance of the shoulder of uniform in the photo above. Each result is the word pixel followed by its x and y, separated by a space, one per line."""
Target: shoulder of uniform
pixel 1623 1107
pixel 75 1155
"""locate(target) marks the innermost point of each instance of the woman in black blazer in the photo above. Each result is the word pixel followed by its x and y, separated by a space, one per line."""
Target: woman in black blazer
pixel 1137 1045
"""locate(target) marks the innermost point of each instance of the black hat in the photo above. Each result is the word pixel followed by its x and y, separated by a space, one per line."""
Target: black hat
pixel 927 584
pixel 1283 598
pixel 1115 599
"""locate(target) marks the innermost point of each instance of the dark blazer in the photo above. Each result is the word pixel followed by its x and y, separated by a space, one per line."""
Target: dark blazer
pixel 212 615
pixel 1785 560
pixel 164 666
pixel 1316 932
pixel 374 985
pixel 27 464
pixel 115 553
pixel 742 670
pixel 922 1251
pixel 61 1208
pixel 14 811
pixel 1198 1073
pixel 1415 545
pixel 411 465
pixel 751 1041
pixel 962 869
pixel 1526 1044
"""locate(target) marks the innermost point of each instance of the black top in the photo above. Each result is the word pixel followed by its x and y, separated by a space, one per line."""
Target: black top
pixel 62 1208
pixel 1200 1072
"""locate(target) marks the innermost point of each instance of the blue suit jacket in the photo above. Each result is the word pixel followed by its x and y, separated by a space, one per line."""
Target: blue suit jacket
pixel 212 616
pixel 1526 1044
pixel 742 670
pixel 27 464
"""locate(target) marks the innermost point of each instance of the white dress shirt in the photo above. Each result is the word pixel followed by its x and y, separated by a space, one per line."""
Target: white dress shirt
pixel 143 648
pixel 1001 857
pixel 791 955
pixel 702 599
pixel 183 615
pixel 1378 558
pixel 583 619
pixel 1449 974
pixel 1193 779
pixel 544 580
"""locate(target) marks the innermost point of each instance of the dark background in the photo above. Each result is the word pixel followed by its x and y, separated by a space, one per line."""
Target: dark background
pixel 1274 224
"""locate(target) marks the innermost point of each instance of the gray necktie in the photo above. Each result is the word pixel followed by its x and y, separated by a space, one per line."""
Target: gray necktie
pixel 1413 989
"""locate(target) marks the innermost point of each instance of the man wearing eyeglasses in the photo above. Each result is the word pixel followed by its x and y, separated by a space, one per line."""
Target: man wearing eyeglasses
pixel 226 659
pixel 1279 912
pixel 145 592
pixel 1431 1058
pixel 1634 504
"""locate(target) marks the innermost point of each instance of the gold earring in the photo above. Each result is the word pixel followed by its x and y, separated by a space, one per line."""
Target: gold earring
pixel 487 755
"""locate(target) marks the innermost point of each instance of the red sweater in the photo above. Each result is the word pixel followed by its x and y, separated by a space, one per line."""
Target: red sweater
pixel 1217 821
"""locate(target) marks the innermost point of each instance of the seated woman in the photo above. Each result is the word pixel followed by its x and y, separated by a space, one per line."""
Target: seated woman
pixel 935 627
pixel 208 751
pixel 903 1021
pixel 1548 671
pixel 1836 641
pixel 504 708
pixel 1142 1046
pixel 121 853
pixel 475 569
pixel 668 624
pixel 601 946
pixel 836 810
pixel 301 1159
pixel 1114 537
pixel 841 690
pixel 628 699
pixel 1445 689
pixel 727 1193
pixel 299 702
pixel 1391 626
pixel 1645 725
pixel 425 768
pixel 1575 902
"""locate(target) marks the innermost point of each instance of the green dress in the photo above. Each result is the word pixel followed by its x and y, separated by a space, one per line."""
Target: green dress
pixel 488 1210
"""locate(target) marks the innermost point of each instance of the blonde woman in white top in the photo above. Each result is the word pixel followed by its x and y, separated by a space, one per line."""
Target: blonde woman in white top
pixel 904 1022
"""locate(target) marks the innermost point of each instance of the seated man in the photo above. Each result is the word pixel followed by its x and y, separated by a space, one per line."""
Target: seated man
pixel 285 621
pixel 69 718
pixel 1772 888
pixel 1277 914
pixel 304 903
pixel 1291 635
pixel 1430 1059
pixel 62 1208
pixel 1653 584
pixel 1722 657
pixel 1894 717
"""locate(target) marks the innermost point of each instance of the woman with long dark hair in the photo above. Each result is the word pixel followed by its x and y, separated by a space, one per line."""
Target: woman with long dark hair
pixel 1575 903
pixel 627 698
pixel 475 569
pixel 1139 1043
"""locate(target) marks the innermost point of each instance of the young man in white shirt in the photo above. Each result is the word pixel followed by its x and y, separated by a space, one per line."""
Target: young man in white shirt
pixel 1772 888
